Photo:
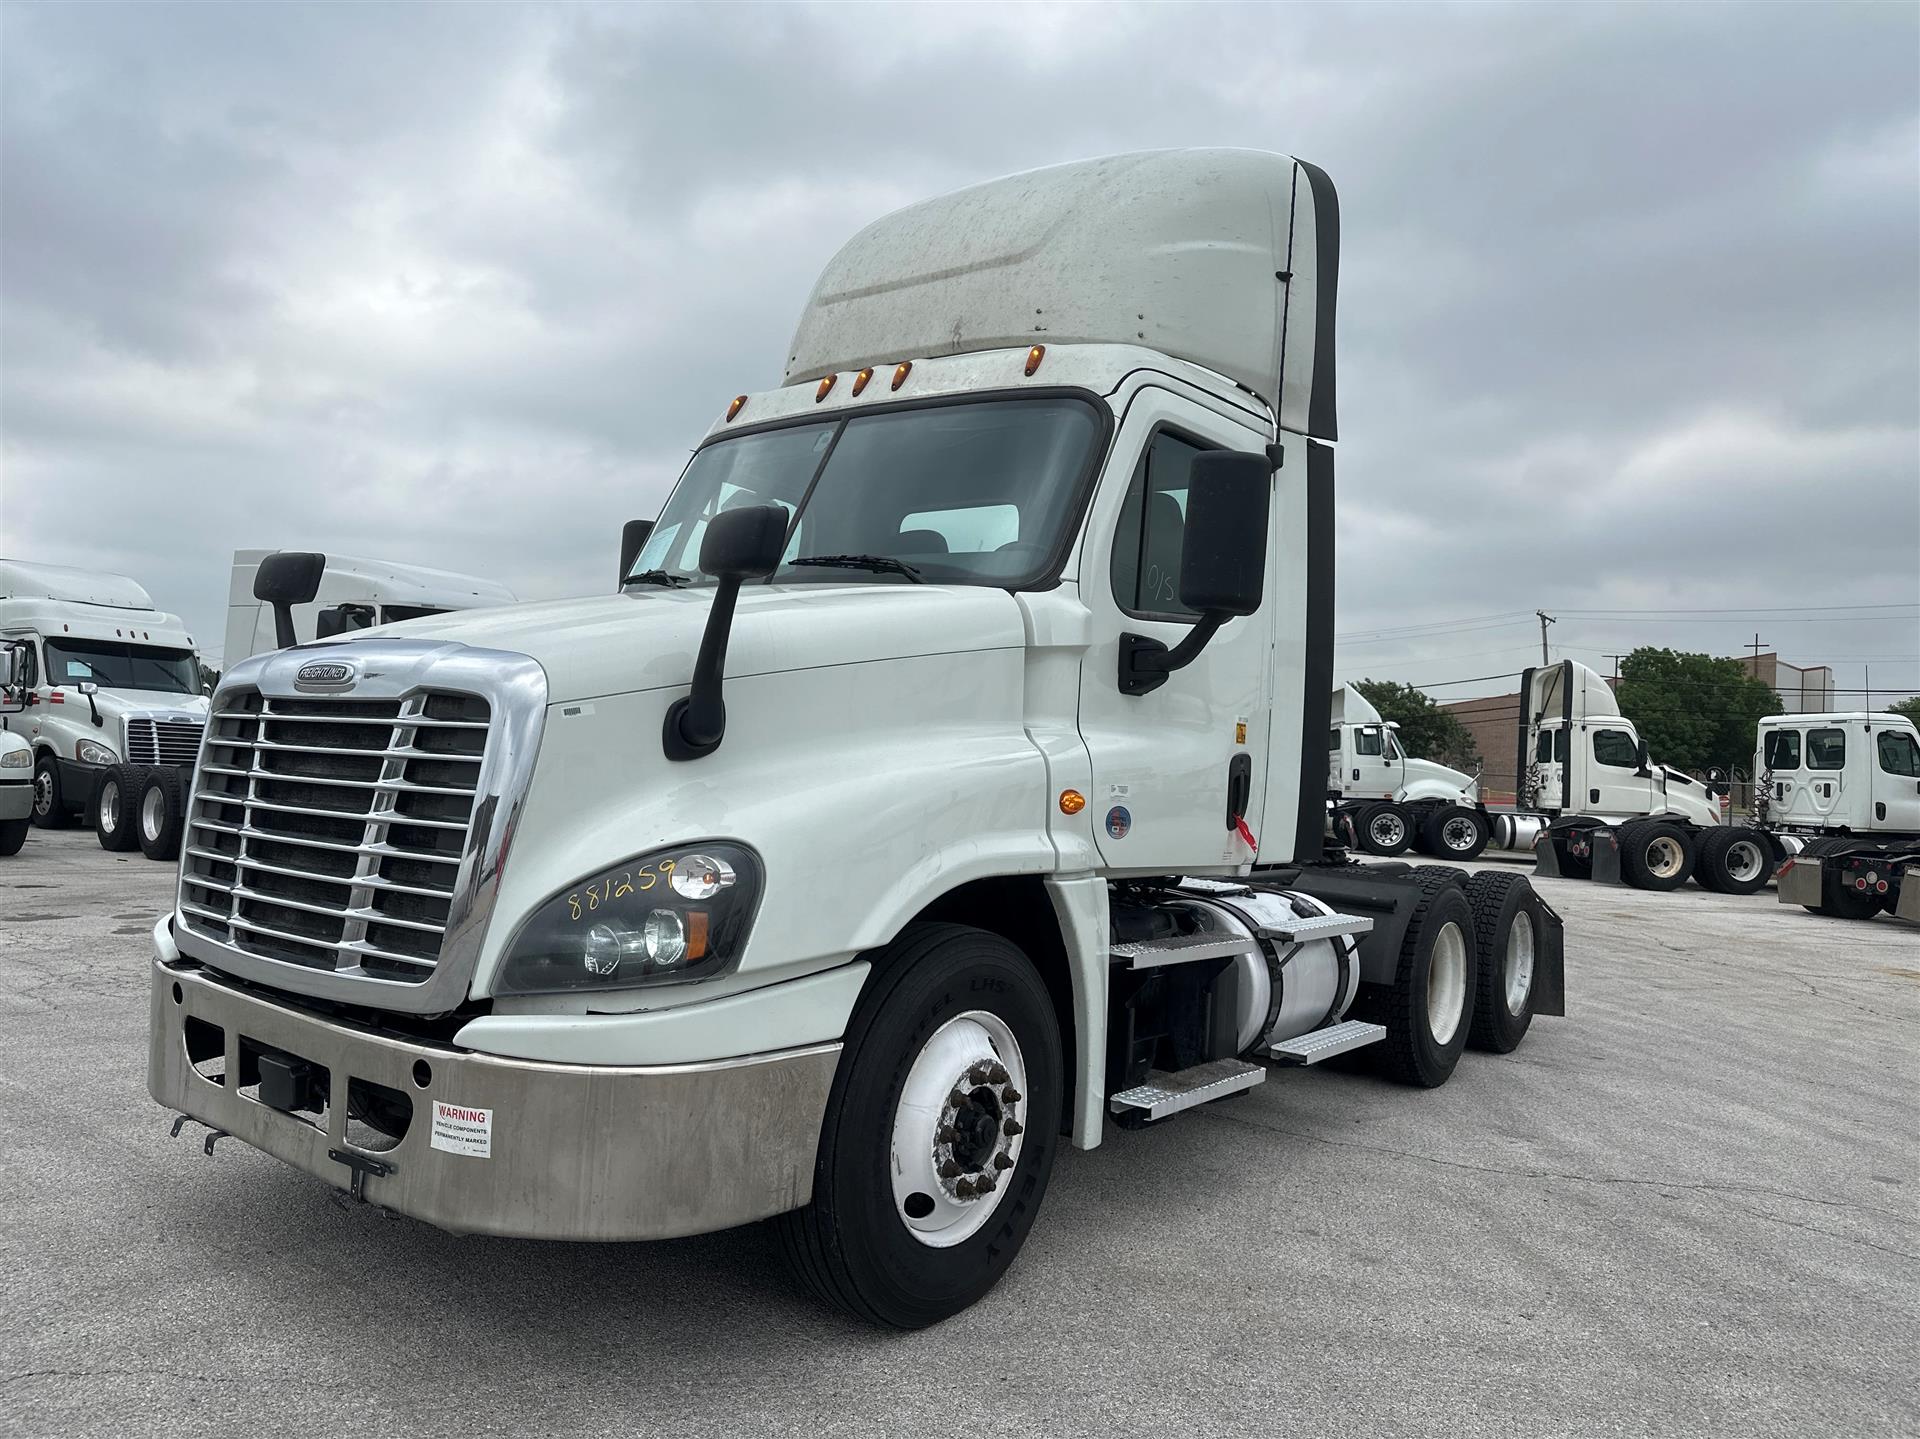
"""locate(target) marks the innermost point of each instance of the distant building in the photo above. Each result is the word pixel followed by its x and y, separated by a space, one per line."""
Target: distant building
pixel 1802 691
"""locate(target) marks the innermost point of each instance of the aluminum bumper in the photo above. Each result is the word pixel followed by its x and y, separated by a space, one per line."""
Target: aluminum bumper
pixel 16 800
pixel 563 1151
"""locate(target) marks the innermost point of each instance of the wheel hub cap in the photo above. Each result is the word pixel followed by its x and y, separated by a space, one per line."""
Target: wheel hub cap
pixel 1663 857
pixel 1458 834
pixel 1386 830
pixel 42 793
pixel 957 1132
pixel 1446 983
pixel 109 805
pixel 1743 860
pixel 150 814
pixel 1518 969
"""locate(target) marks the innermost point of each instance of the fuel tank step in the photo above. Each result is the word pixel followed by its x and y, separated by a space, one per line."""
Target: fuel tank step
pixel 1165 1093
pixel 1321 1044
pixel 1323 926
pixel 1181 949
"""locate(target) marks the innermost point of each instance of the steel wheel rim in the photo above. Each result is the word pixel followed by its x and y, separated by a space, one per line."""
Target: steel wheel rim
pixel 1664 857
pixel 1386 830
pixel 109 805
pixel 1744 861
pixel 151 805
pixel 942 1150
pixel 1446 983
pixel 43 794
pixel 1517 966
pixel 1459 834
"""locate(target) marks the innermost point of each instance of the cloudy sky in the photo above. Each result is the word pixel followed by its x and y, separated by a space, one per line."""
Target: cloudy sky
pixel 1630 298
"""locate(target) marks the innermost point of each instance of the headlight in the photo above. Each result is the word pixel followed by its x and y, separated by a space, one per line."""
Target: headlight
pixel 17 759
pixel 93 752
pixel 670 915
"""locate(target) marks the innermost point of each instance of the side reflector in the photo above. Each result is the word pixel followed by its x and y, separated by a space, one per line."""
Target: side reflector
pixel 1072 801
pixel 1034 357
pixel 739 404
pixel 826 388
pixel 900 373
pixel 860 380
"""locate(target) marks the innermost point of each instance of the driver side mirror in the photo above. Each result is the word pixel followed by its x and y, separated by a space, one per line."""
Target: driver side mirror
pixel 284 579
pixel 633 539
pixel 1641 765
pixel 738 545
pixel 1223 562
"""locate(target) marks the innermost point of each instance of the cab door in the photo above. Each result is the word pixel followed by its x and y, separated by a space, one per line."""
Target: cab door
pixel 1614 782
pixel 1896 781
pixel 1168 765
pixel 1374 774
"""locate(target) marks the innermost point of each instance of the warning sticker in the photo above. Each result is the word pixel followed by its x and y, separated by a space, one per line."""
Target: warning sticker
pixel 460 1130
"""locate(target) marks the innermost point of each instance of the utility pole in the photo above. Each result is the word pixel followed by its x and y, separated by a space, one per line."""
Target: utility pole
pixel 1755 647
pixel 1545 620
pixel 1616 667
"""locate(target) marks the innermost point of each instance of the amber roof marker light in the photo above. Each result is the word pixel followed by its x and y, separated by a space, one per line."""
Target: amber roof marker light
pixel 900 373
pixel 826 388
pixel 1034 357
pixel 739 404
pixel 860 381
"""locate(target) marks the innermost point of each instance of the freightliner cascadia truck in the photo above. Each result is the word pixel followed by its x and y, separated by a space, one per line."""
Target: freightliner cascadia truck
pixel 1837 807
pixel 943 785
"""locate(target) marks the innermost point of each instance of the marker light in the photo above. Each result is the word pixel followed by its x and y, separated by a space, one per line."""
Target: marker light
pixel 701 876
pixel 1072 801
pixel 826 388
pixel 900 373
pixel 739 404
pixel 1034 357
pixel 860 381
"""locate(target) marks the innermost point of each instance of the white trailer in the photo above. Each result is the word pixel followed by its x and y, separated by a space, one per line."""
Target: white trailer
pixel 944 785
pixel 1837 805
pixel 355 593
pixel 1385 801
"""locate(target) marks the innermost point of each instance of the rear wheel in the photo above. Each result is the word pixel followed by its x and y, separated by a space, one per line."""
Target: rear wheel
pixel 1385 829
pixel 1509 923
pixel 162 813
pixel 1455 832
pixel 1733 861
pixel 1843 901
pixel 49 803
pixel 940 1133
pixel 116 807
pixel 1655 854
pixel 1428 1008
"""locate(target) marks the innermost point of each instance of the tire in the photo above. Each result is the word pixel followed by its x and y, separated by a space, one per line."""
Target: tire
pixel 1455 832
pixel 13 834
pixel 162 813
pixel 1844 903
pixel 49 801
pixel 1733 861
pixel 116 807
pixel 1508 921
pixel 1439 938
pixel 943 997
pixel 1385 828
pixel 1655 854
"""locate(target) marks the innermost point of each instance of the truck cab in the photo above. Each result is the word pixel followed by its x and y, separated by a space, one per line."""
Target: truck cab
pixel 1840 795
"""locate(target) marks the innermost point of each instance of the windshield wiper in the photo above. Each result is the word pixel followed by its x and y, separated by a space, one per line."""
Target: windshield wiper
pixel 658 577
pixel 878 564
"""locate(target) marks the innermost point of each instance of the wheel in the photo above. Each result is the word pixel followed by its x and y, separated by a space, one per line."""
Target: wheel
pixel 940 1133
pixel 1385 828
pixel 49 804
pixel 13 834
pixel 1456 832
pixel 1842 901
pixel 1428 1006
pixel 1508 921
pixel 1655 854
pixel 116 806
pixel 162 813
pixel 1733 861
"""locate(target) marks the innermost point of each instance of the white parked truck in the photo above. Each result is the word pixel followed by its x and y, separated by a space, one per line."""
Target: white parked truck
pixel 354 594
pixel 108 694
pixel 1385 801
pixel 944 783
pixel 16 762
pixel 1837 803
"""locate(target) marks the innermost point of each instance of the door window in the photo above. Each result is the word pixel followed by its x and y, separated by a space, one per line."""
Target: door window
pixel 1826 749
pixel 1333 739
pixel 1366 740
pixel 1783 749
pixel 1151 534
pixel 1898 753
pixel 1615 748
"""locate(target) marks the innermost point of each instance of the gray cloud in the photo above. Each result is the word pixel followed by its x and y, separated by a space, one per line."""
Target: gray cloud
pixel 1628 309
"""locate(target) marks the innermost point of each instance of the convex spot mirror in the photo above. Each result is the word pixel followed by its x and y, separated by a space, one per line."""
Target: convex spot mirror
pixel 1223 561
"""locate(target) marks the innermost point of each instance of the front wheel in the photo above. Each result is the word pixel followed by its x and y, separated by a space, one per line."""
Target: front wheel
pixel 49 803
pixel 940 1133
pixel 13 834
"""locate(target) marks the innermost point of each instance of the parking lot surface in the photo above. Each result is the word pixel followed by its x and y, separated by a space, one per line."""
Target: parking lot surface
pixel 1690 1207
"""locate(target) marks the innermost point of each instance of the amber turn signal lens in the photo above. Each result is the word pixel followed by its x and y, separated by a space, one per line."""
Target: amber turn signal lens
pixel 826 388
pixel 697 929
pixel 1034 357
pixel 901 372
pixel 739 403
pixel 1072 801
pixel 860 380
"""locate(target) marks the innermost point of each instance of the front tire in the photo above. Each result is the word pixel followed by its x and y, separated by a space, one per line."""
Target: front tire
pixel 162 814
pixel 1655 854
pixel 1509 925
pixel 1733 861
pixel 1385 829
pixel 1428 1008
pixel 116 807
pixel 49 802
pixel 928 1181
pixel 13 834
pixel 1455 832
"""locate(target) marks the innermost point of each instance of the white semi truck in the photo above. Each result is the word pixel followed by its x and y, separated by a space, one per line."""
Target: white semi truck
pixel 108 695
pixel 16 763
pixel 1385 801
pixel 1837 806
pixel 943 784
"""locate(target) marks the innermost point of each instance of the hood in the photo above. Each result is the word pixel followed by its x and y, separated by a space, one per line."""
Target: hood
pixel 138 702
pixel 1426 769
pixel 646 639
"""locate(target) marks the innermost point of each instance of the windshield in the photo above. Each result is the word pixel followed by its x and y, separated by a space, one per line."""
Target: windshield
pixel 979 493
pixel 114 665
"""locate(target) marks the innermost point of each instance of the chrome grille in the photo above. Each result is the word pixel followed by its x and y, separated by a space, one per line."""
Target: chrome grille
pixel 163 741
pixel 328 832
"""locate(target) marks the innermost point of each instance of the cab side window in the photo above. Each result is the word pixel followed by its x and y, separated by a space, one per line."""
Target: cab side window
pixel 1826 749
pixel 1898 753
pixel 1333 740
pixel 1783 749
pixel 1152 532
pixel 1366 739
pixel 1615 748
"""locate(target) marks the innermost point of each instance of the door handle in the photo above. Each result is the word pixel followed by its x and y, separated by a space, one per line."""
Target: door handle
pixel 1239 788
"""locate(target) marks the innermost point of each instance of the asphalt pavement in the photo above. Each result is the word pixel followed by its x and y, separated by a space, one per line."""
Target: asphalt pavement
pixel 1690 1207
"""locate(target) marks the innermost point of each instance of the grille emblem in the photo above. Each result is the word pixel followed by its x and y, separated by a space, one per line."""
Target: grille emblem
pixel 326 674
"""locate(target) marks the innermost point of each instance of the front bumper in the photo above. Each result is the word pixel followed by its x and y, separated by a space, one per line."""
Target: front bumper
pixel 570 1151
pixel 16 800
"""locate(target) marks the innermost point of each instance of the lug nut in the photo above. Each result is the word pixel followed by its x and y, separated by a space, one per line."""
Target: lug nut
pixel 950 1169
pixel 1010 1095
pixel 998 1074
pixel 964 1189
pixel 947 1134
pixel 986 1184
pixel 980 1071
pixel 1013 1126
pixel 1001 1161
pixel 959 1099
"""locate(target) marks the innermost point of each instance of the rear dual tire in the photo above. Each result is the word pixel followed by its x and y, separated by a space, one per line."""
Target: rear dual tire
pixel 1733 861
pixel 1510 926
pixel 1455 832
pixel 160 817
pixel 1655 854
pixel 1428 1009
pixel 116 807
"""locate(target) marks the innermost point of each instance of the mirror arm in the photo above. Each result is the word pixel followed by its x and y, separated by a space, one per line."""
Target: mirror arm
pixel 697 722
pixel 283 635
pixel 1145 663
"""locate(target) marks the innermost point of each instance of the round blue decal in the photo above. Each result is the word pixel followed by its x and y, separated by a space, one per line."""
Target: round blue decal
pixel 1119 821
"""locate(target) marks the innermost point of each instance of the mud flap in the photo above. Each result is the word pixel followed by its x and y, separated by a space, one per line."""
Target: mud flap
pixel 1550 967
pixel 1578 852
pixel 1799 882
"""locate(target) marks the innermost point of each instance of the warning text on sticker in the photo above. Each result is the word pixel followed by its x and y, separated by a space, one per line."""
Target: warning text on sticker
pixel 460 1130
